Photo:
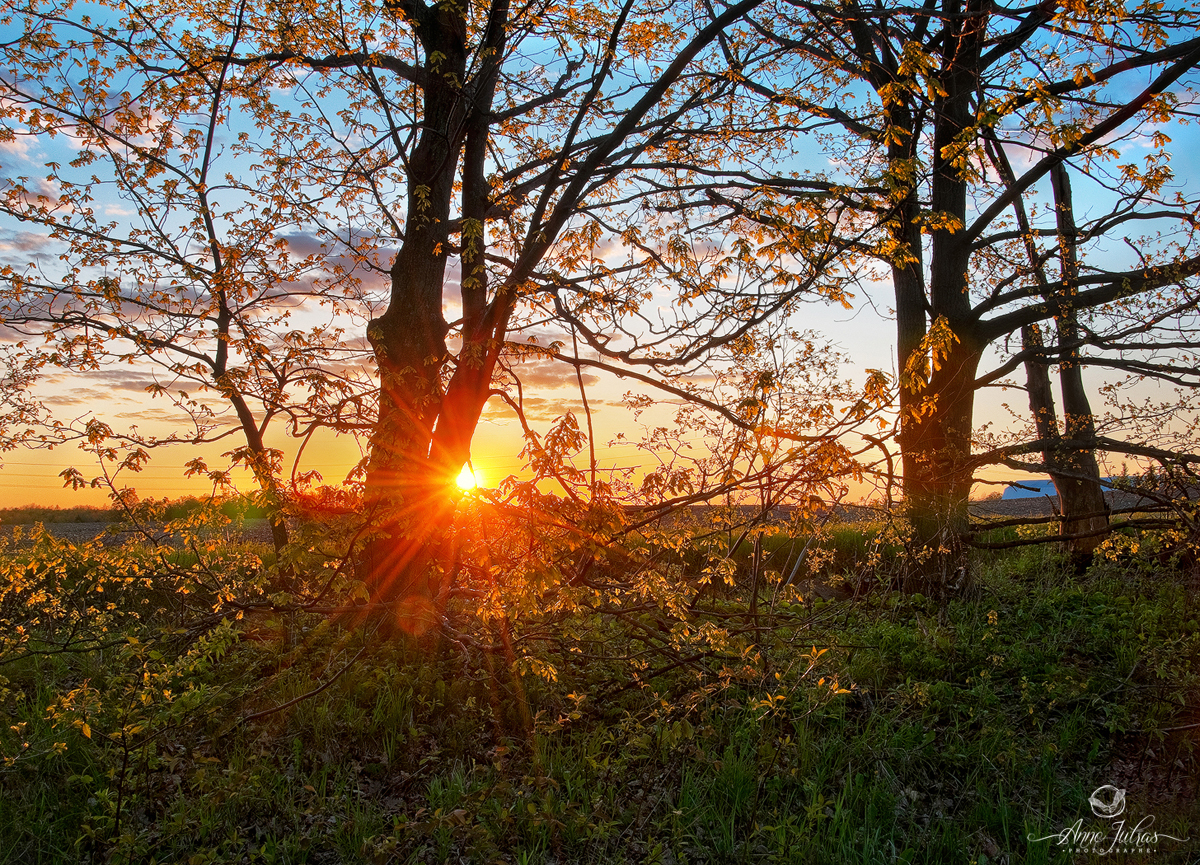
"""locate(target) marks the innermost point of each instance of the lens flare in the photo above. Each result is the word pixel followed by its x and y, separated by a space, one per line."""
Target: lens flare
pixel 466 479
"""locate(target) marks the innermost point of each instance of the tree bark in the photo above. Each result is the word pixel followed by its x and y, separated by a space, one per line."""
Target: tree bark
pixel 1075 472
pixel 430 403
pixel 938 477
pixel 1076 475
pixel 408 484
pixel 937 448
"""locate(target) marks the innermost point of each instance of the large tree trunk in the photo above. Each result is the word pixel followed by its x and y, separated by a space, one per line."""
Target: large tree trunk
pixel 938 474
pixel 407 493
pixel 409 486
pixel 936 447
pixel 421 441
pixel 428 406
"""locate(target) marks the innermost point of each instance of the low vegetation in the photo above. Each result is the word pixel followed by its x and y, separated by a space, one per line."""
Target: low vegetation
pixel 808 725
pixel 31 514
pixel 169 509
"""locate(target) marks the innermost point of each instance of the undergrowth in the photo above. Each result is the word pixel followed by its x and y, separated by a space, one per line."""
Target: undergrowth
pixel 882 728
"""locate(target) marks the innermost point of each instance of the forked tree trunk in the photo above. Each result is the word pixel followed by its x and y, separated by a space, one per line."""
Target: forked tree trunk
pixel 429 402
pixel 408 494
pixel 1075 474
pixel 420 443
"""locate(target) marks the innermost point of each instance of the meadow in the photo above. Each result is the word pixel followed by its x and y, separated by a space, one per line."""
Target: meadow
pixel 837 720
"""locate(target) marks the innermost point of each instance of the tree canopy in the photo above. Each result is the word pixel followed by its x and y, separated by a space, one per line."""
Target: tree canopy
pixel 948 122
pixel 653 181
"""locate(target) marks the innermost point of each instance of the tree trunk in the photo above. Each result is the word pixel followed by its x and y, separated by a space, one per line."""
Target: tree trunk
pixel 938 476
pixel 428 406
pixel 937 447
pixel 1076 476
pixel 1076 473
pixel 407 496
pixel 409 487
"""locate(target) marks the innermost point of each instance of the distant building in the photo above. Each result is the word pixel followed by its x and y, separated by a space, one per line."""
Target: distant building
pixel 1036 489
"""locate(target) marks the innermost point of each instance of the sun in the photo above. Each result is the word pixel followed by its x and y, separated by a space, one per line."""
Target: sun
pixel 466 478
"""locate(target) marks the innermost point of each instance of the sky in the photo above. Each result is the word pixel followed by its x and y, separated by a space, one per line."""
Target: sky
pixel 865 333
pixel 118 396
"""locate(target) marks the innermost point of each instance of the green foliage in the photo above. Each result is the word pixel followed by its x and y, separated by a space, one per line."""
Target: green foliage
pixel 168 509
pixel 910 731
pixel 31 514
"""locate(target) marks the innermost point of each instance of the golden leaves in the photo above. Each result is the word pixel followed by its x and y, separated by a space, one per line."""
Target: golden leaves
pixel 932 221
pixel 935 348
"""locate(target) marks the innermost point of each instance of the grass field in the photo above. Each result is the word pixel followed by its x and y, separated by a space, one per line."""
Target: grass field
pixel 875 728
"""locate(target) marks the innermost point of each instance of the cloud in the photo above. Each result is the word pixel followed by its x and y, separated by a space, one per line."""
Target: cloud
pixel 130 381
pixel 334 250
pixel 85 396
pixel 19 146
pixel 10 334
pixel 105 387
pixel 42 192
pixel 544 372
pixel 176 418
pixel 542 410
pixel 23 241
pixel 354 343
pixel 304 244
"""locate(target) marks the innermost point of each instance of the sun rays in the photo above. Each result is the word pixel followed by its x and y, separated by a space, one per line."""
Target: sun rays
pixel 466 479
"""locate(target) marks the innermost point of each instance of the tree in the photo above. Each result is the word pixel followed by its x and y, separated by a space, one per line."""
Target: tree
pixel 1075 473
pixel 531 146
pixel 921 99
pixel 532 153
pixel 173 247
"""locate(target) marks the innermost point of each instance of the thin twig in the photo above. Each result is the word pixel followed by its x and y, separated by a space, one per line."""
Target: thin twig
pixel 265 712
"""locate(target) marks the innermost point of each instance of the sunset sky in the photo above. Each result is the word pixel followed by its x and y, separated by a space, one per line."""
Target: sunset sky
pixel 118 395
pixel 118 398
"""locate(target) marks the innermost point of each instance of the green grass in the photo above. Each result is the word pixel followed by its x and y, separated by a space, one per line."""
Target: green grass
pixel 162 510
pixel 968 728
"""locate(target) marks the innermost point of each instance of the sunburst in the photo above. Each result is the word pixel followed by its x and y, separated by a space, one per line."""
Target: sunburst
pixel 466 479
